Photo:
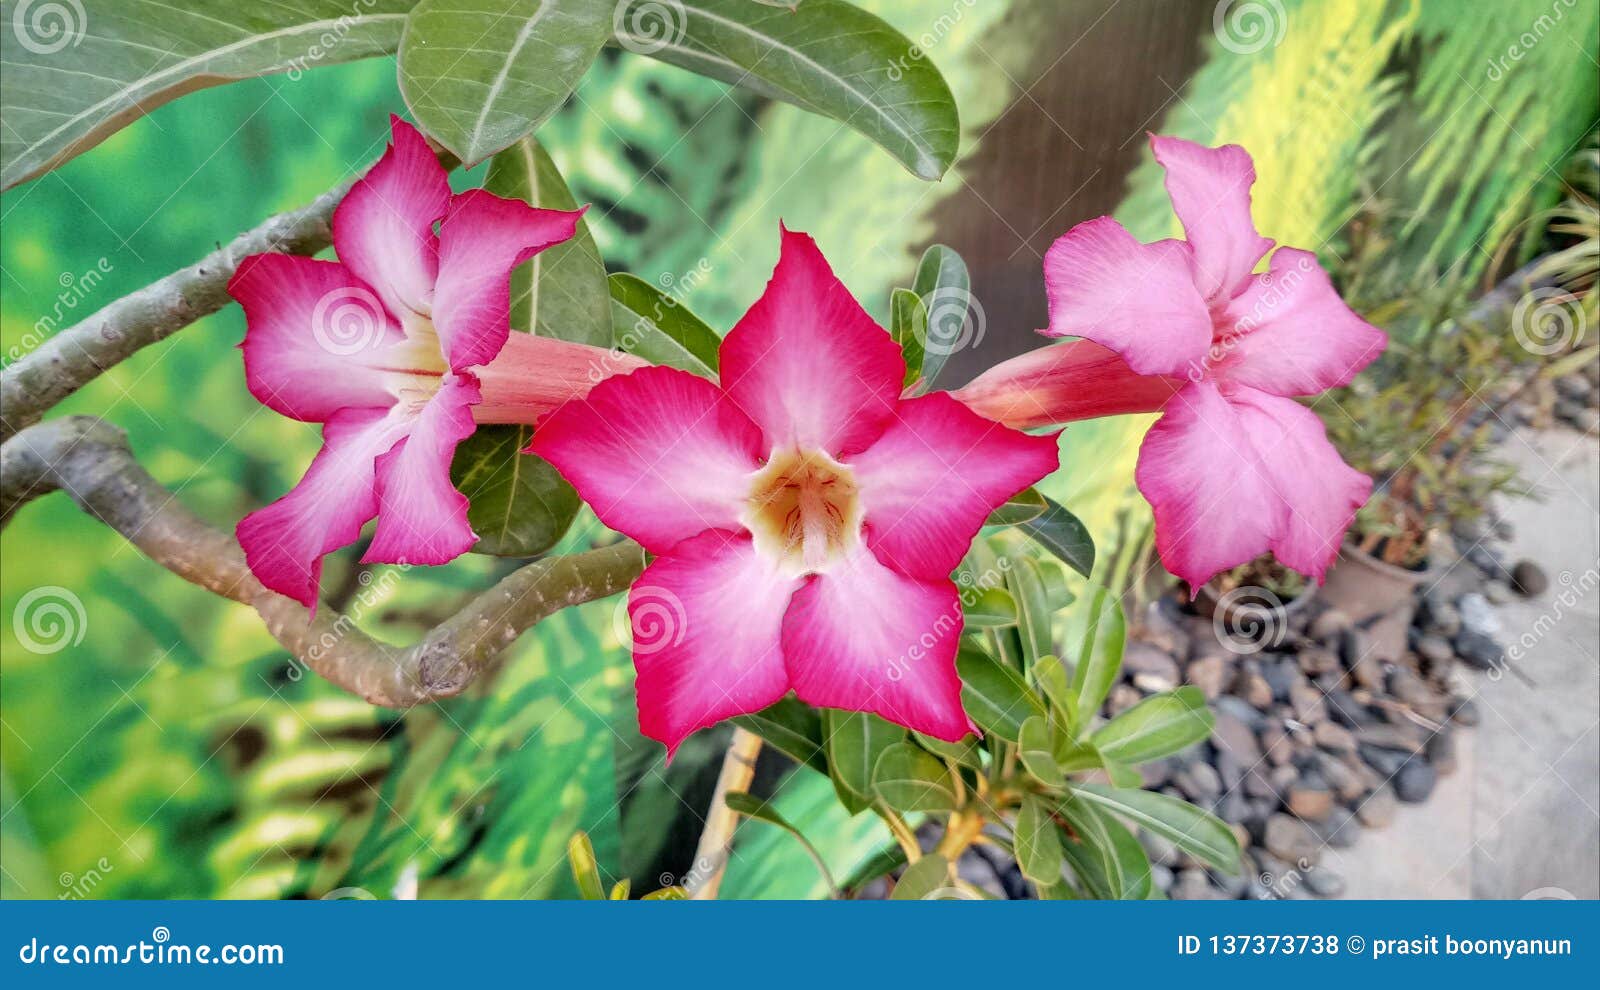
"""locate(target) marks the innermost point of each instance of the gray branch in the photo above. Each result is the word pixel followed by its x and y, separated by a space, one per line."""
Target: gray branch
pixel 90 461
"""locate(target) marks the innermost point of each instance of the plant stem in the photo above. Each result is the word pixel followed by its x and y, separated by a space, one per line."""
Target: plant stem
pixel 716 838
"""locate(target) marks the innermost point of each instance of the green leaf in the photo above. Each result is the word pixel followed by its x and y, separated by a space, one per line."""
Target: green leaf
pixel 652 325
pixel 1095 635
pixel 1158 726
pixel 986 607
pixel 1036 749
pixel 585 870
pixel 793 727
pixel 945 288
pixel 1064 535
pixel 63 93
pixel 826 56
pixel 965 752
pixel 518 505
pixel 855 740
pixel 927 876
pixel 753 807
pixel 1194 831
pixel 994 694
pixel 1018 509
pixel 480 74
pixel 909 778
pixel 1050 674
pixel 621 890
pixel 561 292
pixel 908 323
pixel 1033 610
pixel 1037 844
pixel 1124 869
pixel 879 864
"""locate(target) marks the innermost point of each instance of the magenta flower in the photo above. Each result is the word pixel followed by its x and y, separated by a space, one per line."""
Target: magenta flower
pixel 805 518
pixel 382 348
pixel 1235 466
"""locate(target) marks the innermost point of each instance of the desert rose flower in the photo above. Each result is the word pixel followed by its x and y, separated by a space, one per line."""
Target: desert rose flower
pixel 1235 466
pixel 805 518
pixel 385 347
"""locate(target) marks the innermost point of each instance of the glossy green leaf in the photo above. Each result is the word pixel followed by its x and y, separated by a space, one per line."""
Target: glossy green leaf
pixel 518 505
pixel 585 870
pixel 1096 632
pixel 988 607
pixel 908 322
pixel 1050 675
pixel 1202 835
pixel 826 56
pixel 753 807
pixel 68 82
pixel 793 727
pixel 1064 535
pixel 1019 508
pixel 479 75
pixel 1036 749
pixel 964 752
pixel 879 864
pixel 1158 726
pixel 652 325
pixel 923 879
pixel 945 288
pixel 1124 869
pixel 1033 609
pixel 994 694
pixel 1037 843
pixel 855 740
pixel 909 778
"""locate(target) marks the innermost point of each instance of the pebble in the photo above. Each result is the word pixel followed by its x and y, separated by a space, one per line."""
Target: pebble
pixel 1312 804
pixel 1123 697
pixel 1307 702
pixel 1254 689
pixel 1341 830
pixel 1574 388
pixel 1439 616
pixel 1316 660
pixel 1324 882
pixel 1386 761
pixel 1478 651
pixel 1388 635
pixel 1199 782
pixel 1151 663
pixel 1435 649
pixel 1291 840
pixel 1329 625
pixel 1466 712
pixel 1239 711
pixel 1192 885
pixel 1208 674
pixel 1441 752
pixel 1406 686
pixel 1377 809
pixel 1529 579
pixel 1415 781
pixel 1498 592
pixel 1477 616
pixel 1587 420
pixel 1333 737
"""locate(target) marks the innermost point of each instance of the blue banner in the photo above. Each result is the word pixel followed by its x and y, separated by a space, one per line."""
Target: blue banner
pixel 1313 943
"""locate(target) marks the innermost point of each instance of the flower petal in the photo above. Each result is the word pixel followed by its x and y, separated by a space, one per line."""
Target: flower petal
pixel 533 376
pixel 1319 493
pixel 659 454
pixel 1063 383
pixel 866 638
pixel 317 340
pixel 1210 191
pixel 383 229
pixel 1289 333
pixel 807 363
pixel 284 542
pixel 1138 299
pixel 422 519
pixel 481 239
pixel 930 481
pixel 706 621
pixel 1214 507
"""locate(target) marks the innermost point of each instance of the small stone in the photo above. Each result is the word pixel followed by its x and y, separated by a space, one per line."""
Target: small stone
pixel 1312 804
pixel 1441 752
pixel 1407 687
pixel 1333 737
pixel 1435 649
pixel 1123 697
pixel 1192 885
pixel 1477 615
pixel 1478 651
pixel 1281 674
pixel 1498 592
pixel 1152 664
pixel 1387 635
pixel 1240 712
pixel 1386 761
pixel 1291 840
pixel 1254 689
pixel 1307 703
pixel 1341 830
pixel 1207 674
pixel 1574 388
pixel 1403 736
pixel 1343 706
pixel 1324 882
pixel 1465 712
pixel 1439 616
pixel 1377 809
pixel 1316 660
pixel 1588 421
pixel 1529 579
pixel 1232 808
pixel 1161 876
pixel 1415 781
pixel 1275 744
pixel 1199 782
pixel 1155 773
pixel 1327 626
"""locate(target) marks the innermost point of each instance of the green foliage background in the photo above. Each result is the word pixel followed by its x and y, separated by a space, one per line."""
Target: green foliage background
pixel 173 752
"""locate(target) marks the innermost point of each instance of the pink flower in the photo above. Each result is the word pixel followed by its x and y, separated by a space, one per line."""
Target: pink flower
pixel 805 518
pixel 1235 466
pixel 382 347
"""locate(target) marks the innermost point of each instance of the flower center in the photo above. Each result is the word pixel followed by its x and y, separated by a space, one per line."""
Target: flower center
pixel 417 364
pixel 804 510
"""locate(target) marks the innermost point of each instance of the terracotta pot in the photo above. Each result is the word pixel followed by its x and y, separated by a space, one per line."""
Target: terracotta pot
pixel 1249 614
pixel 1364 587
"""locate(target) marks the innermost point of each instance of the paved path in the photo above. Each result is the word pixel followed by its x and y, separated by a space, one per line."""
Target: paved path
pixel 1521 816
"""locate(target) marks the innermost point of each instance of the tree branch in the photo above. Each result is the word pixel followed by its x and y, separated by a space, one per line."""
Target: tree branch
pixel 716 838
pixel 90 461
